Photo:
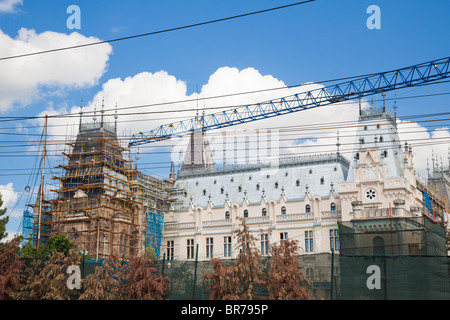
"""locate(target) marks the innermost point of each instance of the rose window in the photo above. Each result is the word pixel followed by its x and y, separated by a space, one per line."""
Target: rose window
pixel 370 194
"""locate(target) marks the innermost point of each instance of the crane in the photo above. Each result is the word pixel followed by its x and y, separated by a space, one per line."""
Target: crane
pixel 358 87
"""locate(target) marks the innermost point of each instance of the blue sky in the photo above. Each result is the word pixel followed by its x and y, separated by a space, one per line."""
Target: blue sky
pixel 316 41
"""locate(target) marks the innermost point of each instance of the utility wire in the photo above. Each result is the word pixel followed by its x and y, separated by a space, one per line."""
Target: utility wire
pixel 156 32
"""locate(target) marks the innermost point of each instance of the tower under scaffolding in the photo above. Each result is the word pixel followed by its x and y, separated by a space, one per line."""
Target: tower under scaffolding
pixel 102 201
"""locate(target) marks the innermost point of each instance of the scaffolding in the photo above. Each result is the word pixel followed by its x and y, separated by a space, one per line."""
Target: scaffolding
pixel 435 204
pixel 154 232
pixel 95 204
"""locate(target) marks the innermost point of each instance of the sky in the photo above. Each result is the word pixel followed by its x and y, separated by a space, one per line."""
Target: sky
pixel 302 44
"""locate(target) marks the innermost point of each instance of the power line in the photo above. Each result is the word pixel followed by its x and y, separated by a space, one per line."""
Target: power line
pixel 76 114
pixel 156 32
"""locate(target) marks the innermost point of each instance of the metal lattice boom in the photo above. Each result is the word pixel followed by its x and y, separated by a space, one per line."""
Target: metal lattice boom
pixel 355 88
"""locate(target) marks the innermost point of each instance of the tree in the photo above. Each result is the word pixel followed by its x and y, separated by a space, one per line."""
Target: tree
pixel 105 282
pixel 143 282
pixel 237 281
pixel 10 269
pixel 285 279
pixel 3 221
pixel 55 243
pixel 47 279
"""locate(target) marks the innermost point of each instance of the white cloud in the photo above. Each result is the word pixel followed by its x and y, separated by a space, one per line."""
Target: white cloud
pixel 9 6
pixel 318 127
pixel 426 145
pixel 23 80
pixel 9 198
pixel 11 235
pixel 160 87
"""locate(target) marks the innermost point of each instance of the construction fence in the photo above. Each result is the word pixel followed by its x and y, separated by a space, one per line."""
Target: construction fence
pixel 337 277
pixel 331 276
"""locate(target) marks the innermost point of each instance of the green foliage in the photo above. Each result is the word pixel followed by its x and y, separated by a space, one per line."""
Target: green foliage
pixel 150 253
pixel 56 243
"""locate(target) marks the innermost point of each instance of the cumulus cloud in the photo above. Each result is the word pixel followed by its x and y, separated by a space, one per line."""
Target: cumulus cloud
pixel 426 146
pixel 9 197
pixel 159 88
pixel 22 80
pixel 9 6
pixel 301 133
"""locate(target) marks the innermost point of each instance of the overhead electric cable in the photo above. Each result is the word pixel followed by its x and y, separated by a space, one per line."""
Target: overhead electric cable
pixel 156 32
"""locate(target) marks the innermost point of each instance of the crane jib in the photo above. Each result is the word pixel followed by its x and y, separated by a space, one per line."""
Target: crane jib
pixel 358 87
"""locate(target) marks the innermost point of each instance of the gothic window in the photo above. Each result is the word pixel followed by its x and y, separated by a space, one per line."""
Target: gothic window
pixel 298 183
pixel 204 192
pixel 257 186
pixel 276 185
pixel 333 206
pixel 283 210
pixel 322 180
pixel 308 208
pixel 222 190
pixel 240 189
pixel 264 212
pixel 227 215
pixel 245 213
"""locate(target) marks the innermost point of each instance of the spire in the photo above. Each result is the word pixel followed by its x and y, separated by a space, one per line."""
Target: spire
pixel 395 110
pixel 81 113
pixel 172 172
pixel 115 119
pixel 95 113
pixel 102 111
pixel 360 110
pixel 338 143
pixel 448 157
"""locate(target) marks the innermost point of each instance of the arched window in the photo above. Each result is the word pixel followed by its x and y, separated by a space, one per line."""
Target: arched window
pixel 276 185
pixel 333 206
pixel 378 246
pixel 257 186
pixel 308 208
pixel 240 189
pixel 322 180
pixel 298 183
pixel 283 210
pixel 204 192
pixel 222 190
pixel 227 215
pixel 264 212
pixel 245 213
